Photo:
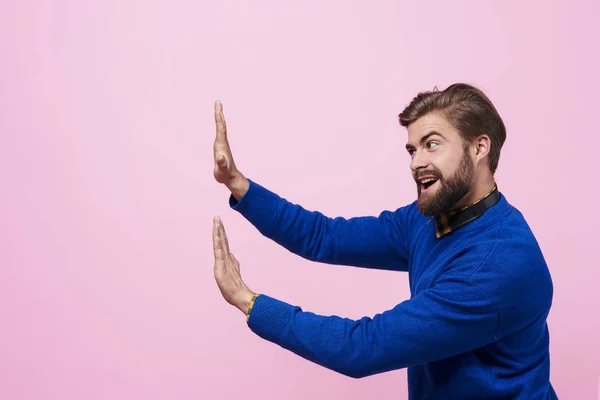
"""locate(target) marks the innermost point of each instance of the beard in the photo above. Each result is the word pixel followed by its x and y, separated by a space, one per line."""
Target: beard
pixel 451 189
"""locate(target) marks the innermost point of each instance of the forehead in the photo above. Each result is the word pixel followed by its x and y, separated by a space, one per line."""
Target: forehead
pixel 432 122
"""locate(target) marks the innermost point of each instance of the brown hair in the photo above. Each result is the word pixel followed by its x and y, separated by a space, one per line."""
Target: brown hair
pixel 469 111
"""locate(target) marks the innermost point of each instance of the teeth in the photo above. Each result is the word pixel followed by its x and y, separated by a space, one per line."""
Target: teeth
pixel 428 180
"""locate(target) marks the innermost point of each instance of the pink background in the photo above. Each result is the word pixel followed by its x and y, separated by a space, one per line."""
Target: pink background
pixel 107 194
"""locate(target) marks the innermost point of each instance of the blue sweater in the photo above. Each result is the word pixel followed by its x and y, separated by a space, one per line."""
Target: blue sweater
pixel 474 327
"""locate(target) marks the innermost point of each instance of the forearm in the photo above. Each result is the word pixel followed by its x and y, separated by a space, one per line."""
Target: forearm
pixel 436 324
pixel 346 346
pixel 363 241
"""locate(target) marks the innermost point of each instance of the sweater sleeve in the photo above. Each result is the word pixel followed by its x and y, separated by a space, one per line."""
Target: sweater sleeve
pixel 371 242
pixel 451 318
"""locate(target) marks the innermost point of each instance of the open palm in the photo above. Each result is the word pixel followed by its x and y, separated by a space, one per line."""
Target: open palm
pixel 227 270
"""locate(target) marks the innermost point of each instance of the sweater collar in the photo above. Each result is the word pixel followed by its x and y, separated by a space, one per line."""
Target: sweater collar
pixel 452 220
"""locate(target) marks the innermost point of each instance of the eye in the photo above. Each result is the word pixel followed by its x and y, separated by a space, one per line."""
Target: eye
pixel 411 152
pixel 431 144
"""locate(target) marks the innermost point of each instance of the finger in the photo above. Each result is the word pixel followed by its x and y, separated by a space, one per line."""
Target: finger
pixel 217 241
pixel 224 240
pixel 221 145
pixel 220 123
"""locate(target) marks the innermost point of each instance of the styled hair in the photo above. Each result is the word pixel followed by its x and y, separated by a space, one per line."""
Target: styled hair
pixel 467 109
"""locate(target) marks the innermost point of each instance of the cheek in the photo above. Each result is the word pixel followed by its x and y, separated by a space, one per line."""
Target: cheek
pixel 446 164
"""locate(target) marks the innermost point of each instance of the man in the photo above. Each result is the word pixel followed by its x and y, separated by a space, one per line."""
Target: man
pixel 475 325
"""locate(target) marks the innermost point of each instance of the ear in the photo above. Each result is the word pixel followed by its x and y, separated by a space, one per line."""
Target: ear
pixel 483 145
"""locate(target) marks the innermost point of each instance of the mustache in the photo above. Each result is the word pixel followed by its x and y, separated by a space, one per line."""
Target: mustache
pixel 432 173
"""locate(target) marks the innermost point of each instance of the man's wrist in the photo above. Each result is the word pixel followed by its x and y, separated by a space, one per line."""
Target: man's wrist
pixel 238 186
pixel 251 305
pixel 246 301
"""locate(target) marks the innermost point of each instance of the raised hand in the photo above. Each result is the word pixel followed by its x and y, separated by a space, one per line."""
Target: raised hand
pixel 227 271
pixel 225 170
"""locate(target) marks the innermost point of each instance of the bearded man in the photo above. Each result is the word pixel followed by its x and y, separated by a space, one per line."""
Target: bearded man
pixel 475 324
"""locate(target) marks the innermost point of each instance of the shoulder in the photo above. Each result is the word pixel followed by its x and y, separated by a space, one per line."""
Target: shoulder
pixel 515 249
pixel 515 275
pixel 504 238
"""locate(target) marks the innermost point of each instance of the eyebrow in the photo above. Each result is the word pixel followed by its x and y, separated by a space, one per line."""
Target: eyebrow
pixel 424 138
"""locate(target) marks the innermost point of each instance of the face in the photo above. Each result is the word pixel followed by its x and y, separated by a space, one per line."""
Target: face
pixel 440 163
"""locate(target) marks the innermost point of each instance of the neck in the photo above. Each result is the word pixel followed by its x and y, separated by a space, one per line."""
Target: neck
pixel 482 186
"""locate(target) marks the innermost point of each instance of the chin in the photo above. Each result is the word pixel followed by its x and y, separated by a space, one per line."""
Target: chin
pixel 427 212
pixel 428 204
pixel 426 208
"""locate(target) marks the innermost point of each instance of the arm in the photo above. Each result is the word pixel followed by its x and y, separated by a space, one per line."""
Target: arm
pixel 371 242
pixel 453 317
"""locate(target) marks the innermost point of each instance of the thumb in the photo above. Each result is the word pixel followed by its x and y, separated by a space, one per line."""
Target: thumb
pixel 221 161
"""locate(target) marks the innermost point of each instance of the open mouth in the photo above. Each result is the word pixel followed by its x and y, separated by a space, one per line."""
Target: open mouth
pixel 427 183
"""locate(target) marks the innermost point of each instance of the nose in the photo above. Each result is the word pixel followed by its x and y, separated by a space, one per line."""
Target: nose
pixel 418 161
